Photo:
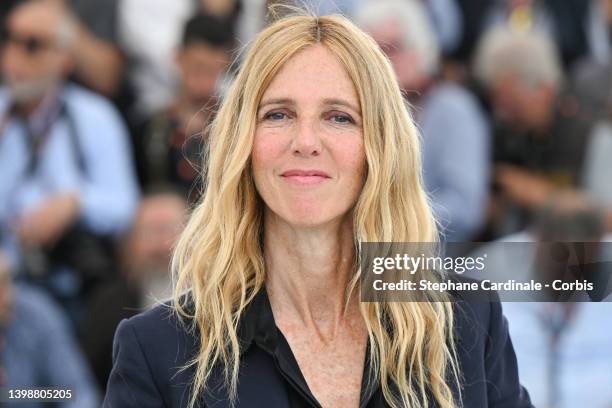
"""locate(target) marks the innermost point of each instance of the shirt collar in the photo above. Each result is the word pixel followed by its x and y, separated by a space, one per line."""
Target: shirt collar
pixel 257 324
pixel 48 110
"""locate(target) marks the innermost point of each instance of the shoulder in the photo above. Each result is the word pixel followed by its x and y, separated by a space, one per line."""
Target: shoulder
pixel 37 324
pixel 151 355
pixel 85 104
pixel 485 352
pixel 476 312
pixel 454 97
pixel 36 308
pixel 160 333
pixel 447 103
pixel 473 310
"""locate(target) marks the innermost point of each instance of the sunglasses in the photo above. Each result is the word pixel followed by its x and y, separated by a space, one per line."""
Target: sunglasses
pixel 31 44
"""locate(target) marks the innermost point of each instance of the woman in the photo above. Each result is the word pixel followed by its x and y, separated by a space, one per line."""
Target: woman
pixel 311 153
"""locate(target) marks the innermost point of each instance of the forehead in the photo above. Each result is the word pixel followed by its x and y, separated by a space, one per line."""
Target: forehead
pixel 313 73
pixel 203 50
pixel 34 19
pixel 389 31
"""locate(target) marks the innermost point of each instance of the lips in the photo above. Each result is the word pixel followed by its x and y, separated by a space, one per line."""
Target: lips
pixel 305 177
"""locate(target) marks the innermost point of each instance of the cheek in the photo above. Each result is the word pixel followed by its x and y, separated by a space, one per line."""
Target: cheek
pixel 266 150
pixel 11 64
pixel 263 152
pixel 351 161
pixel 200 78
pixel 53 64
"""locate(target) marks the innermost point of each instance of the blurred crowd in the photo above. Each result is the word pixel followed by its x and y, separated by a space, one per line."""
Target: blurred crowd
pixel 103 112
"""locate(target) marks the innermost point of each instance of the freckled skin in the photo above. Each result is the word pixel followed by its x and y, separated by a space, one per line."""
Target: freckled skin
pixel 311 134
pixel 332 367
pixel 310 118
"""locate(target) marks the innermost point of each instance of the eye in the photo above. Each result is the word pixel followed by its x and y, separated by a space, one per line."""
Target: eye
pixel 275 115
pixel 341 118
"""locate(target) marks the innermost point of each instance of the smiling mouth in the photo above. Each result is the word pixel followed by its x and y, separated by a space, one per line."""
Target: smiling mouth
pixel 305 177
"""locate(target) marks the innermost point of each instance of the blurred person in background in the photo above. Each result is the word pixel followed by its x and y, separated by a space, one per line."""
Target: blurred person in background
pixel 144 278
pixel 542 132
pixel 598 169
pixel 444 16
pixel 66 179
pixel 455 133
pixel 562 348
pixel 562 22
pixel 169 147
pixel 600 31
pixel 37 348
pixel 150 34
pixel 591 82
pixel 97 61
pixel 97 58
pixel 579 28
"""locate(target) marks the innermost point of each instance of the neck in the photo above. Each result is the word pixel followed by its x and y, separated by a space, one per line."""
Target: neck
pixel 308 272
pixel 29 107
pixel 26 109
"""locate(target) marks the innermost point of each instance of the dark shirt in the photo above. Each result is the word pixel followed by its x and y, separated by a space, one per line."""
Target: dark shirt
pixel 558 154
pixel 166 154
pixel 151 348
pixel 107 306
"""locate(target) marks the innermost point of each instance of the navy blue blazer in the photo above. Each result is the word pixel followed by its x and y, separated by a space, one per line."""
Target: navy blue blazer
pixel 150 349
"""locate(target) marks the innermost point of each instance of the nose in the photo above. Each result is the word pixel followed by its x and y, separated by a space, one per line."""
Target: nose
pixel 307 139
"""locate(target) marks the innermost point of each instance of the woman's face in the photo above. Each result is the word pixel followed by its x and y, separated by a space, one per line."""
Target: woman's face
pixel 308 157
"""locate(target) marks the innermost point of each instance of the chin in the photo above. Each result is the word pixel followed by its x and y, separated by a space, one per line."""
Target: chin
pixel 309 217
pixel 308 221
pixel 308 211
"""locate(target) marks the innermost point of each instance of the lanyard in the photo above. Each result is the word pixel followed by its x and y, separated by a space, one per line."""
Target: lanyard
pixel 38 135
pixel 36 139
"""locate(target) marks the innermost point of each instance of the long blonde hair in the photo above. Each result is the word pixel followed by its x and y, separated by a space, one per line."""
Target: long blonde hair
pixel 218 262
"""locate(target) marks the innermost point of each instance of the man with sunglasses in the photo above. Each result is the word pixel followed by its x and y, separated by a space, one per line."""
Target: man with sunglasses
pixel 98 61
pixel 64 153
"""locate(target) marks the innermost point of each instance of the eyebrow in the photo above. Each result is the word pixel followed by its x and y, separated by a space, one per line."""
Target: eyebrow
pixel 277 101
pixel 326 101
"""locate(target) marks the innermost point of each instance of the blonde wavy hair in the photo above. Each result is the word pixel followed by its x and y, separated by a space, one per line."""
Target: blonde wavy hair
pixel 218 262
